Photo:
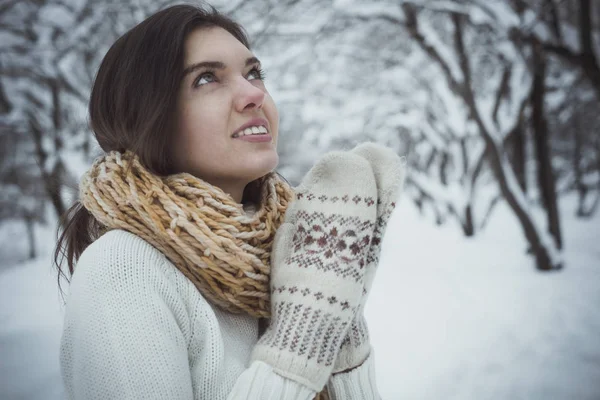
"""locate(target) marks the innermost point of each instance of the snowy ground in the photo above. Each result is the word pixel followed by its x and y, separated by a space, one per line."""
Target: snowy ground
pixel 451 318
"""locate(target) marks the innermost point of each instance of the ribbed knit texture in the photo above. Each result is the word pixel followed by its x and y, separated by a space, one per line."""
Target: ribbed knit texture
pixel 357 384
pixel 137 328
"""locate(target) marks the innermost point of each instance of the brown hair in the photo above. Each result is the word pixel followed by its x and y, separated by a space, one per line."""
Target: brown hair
pixel 132 105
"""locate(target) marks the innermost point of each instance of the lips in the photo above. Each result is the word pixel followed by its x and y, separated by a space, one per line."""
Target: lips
pixel 252 122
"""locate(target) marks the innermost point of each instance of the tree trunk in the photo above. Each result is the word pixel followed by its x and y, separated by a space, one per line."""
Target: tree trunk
pixel 53 190
pixel 51 179
pixel 29 224
pixel 584 211
pixel 545 174
pixel 468 226
pixel 500 165
pixel 592 71
pixel 577 169
pixel 5 105
pixel 516 200
pixel 589 62
pixel 517 149
pixel 443 166
pixel 544 250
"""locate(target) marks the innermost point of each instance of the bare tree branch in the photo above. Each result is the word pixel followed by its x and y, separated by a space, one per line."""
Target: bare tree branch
pixel 412 27
pixel 465 66
pixel 554 20
pixel 7 6
pixel 502 91
pixel 585 29
pixel 560 50
pixel 14 72
pixel 585 59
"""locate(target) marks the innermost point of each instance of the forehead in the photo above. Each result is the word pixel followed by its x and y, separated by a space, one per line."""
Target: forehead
pixel 214 44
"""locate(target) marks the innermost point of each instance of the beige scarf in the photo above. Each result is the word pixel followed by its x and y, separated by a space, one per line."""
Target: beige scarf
pixel 209 237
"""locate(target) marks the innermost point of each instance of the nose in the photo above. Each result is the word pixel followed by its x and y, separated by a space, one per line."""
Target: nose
pixel 248 96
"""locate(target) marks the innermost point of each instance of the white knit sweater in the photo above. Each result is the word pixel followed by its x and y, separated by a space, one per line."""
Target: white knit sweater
pixel 137 328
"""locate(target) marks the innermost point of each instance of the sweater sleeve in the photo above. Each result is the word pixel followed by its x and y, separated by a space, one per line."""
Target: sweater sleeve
pixel 260 382
pixel 124 332
pixel 357 384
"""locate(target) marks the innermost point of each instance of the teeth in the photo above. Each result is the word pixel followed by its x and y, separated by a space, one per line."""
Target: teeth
pixel 253 130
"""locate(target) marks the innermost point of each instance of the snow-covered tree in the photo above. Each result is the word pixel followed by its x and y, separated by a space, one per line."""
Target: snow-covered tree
pixel 449 84
pixel 565 29
pixel 567 33
pixel 51 50
pixel 481 85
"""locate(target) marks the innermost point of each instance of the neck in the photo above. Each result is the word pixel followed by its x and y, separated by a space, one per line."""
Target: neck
pixel 235 190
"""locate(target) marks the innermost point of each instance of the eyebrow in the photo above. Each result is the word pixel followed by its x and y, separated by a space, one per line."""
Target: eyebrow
pixel 215 65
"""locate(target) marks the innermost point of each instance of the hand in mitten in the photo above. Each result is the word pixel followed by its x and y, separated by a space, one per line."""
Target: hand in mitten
pixel 317 268
pixel 389 176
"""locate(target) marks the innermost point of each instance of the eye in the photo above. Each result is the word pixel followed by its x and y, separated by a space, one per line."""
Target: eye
pixel 204 78
pixel 256 73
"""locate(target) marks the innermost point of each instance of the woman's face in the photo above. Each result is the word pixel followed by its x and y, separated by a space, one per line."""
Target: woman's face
pixel 222 93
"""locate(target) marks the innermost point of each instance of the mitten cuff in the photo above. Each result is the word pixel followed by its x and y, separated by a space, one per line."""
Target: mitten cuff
pixel 303 343
pixel 305 372
pixel 260 382
pixel 356 346
pixel 359 383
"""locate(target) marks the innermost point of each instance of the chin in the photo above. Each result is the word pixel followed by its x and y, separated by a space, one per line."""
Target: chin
pixel 264 165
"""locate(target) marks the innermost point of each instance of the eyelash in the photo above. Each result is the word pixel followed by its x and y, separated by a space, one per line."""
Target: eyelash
pixel 258 70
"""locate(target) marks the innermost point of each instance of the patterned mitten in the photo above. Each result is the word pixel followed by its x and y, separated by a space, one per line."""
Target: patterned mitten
pixel 389 176
pixel 317 268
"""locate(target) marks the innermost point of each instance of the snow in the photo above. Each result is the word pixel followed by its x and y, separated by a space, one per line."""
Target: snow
pixel 432 39
pixel 472 319
pixel 450 317
pixel 377 9
pixel 56 15
pixel 546 240
pixel 501 13
pixel 31 323
pixel 452 194
pixel 304 27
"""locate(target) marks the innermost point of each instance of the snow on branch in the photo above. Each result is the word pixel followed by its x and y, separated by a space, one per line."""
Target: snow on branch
pixel 381 11
pixel 413 27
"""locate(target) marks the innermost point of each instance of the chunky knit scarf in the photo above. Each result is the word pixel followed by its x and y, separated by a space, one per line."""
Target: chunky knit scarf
pixel 209 237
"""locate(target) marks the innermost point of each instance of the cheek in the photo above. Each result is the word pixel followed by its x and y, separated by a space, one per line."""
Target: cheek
pixel 272 114
pixel 201 121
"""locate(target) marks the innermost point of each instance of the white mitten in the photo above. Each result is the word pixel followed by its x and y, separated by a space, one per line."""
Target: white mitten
pixel 317 268
pixel 389 176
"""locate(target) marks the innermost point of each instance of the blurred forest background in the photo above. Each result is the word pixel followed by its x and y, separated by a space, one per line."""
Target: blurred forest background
pixel 489 101
pixel 493 103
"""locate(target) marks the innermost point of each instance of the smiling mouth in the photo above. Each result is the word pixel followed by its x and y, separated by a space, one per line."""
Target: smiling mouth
pixel 251 131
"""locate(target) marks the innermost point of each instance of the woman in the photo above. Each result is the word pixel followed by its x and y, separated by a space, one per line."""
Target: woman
pixel 182 290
